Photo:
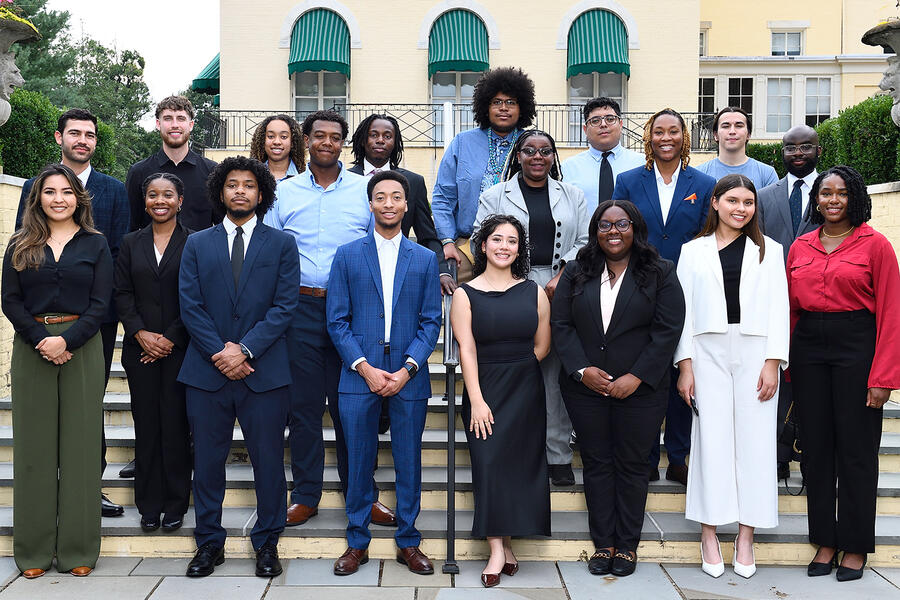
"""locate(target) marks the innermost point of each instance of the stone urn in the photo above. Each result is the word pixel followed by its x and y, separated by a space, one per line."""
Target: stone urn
pixel 13 28
pixel 887 35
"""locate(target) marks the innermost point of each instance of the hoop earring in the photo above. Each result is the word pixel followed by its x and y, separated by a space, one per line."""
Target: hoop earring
pixel 817 209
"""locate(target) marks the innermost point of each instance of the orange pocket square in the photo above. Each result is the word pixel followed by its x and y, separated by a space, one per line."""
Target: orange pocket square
pixel 692 197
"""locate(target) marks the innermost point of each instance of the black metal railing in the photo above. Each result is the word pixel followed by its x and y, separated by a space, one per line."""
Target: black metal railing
pixel 423 125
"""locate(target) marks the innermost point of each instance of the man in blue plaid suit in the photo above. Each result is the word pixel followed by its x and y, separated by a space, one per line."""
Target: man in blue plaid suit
pixel 384 315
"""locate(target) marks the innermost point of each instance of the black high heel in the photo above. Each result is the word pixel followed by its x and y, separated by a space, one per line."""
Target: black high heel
pixel 817 569
pixel 848 574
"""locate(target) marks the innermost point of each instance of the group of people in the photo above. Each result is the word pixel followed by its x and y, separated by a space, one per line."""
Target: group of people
pixel 599 297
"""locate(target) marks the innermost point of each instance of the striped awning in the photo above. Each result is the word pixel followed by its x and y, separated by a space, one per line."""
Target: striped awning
pixel 320 42
pixel 458 42
pixel 598 43
pixel 208 79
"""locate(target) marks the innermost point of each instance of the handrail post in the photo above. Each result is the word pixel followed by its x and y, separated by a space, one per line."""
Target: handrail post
pixel 451 361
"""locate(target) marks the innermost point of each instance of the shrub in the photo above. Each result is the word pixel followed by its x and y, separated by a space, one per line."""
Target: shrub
pixel 769 154
pixel 26 139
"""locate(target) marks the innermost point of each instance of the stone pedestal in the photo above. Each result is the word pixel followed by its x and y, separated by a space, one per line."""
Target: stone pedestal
pixel 887 35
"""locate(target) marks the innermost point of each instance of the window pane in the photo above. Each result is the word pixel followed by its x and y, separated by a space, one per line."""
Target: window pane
pixel 443 87
pixel 307 83
pixel 707 86
pixel 811 104
pixel 778 44
pixel 702 43
pixel 793 44
pixel 747 86
pixel 467 85
pixel 610 85
pixel 778 96
pixel 304 106
pixel 335 84
pixel 581 86
pixel 740 93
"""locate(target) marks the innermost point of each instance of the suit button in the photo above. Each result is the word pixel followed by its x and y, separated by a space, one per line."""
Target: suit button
pixel 665 237
pixel 381 316
pixel 381 342
pixel 603 348
pixel 236 317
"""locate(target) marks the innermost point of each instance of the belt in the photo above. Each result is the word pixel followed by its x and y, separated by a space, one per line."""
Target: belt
pixel 56 319
pixel 311 291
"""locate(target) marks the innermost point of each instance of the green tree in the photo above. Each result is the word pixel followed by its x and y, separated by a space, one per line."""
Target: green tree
pixel 111 82
pixel 206 119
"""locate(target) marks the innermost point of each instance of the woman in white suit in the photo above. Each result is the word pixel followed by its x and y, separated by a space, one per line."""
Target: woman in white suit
pixel 735 337
pixel 555 217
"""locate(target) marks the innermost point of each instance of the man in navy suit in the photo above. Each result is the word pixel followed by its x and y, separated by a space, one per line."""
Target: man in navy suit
pixel 238 293
pixel 384 315
pixel 76 134
pixel 674 200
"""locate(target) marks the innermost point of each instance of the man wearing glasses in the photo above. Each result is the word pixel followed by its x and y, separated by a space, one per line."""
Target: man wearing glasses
pixel 595 170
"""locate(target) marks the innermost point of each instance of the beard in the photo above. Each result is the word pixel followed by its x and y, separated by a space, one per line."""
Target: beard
pixel 70 155
pixel 175 144
pixel 240 213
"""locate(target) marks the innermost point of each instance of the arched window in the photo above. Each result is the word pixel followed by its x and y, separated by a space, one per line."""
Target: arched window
pixel 319 64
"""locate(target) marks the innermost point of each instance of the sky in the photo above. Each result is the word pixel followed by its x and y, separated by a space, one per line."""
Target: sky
pixel 177 38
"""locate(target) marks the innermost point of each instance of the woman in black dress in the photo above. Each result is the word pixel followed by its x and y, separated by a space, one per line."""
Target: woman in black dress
pixel 501 320
pixel 146 277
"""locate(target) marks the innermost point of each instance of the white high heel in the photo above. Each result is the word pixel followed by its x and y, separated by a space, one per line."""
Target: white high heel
pixel 745 571
pixel 714 570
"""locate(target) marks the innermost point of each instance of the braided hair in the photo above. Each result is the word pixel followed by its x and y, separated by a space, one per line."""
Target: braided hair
pixel 685 138
pixel 513 166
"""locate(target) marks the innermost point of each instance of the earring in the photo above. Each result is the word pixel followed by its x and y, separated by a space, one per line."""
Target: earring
pixel 817 209
pixel 178 209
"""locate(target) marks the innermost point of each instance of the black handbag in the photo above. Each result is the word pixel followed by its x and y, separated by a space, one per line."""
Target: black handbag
pixel 789 447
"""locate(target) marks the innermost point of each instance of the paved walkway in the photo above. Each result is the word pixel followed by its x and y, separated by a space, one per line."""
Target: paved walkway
pixel 162 579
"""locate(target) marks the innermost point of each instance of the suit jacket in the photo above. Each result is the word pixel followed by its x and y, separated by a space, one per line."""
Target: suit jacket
pixel 775 215
pixel 418 214
pixel 763 296
pixel 146 294
pixel 256 314
pixel 686 217
pixel 567 205
pixel 355 309
pixel 642 333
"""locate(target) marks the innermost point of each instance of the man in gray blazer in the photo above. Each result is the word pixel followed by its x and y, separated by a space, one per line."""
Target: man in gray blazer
pixel 784 215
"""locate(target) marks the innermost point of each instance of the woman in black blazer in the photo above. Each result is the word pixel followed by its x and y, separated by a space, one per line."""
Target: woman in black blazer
pixel 146 278
pixel 616 319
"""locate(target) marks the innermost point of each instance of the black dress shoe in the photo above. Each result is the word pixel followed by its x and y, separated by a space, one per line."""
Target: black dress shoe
pixel 172 522
pixel 848 574
pixel 267 564
pixel 149 524
pixel 677 473
pixel 818 569
pixel 109 509
pixel 654 474
pixel 561 475
pixel 624 564
pixel 601 562
pixel 127 472
pixel 205 560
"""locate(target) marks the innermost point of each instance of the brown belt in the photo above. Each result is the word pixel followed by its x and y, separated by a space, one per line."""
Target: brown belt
pixel 311 291
pixel 56 320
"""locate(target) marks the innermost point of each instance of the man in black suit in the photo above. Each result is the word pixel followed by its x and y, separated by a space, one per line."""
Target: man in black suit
pixel 76 134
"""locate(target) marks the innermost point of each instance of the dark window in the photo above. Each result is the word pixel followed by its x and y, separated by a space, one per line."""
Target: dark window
pixel 740 93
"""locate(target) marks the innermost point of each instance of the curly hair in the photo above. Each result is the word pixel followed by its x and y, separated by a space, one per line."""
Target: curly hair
pixel 173 179
pixel 685 138
pixel 215 183
pixel 751 227
pixel 859 203
pixel 513 166
pixel 175 103
pixel 645 262
pixel 258 143
pixel 32 236
pixel 362 134
pixel 325 115
pixel 504 80
pixel 521 266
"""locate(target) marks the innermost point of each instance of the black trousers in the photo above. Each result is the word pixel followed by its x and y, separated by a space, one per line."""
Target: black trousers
pixel 831 355
pixel 614 437
pixel 162 478
pixel 108 336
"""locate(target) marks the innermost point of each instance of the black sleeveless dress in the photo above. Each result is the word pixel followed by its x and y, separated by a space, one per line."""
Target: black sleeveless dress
pixel 509 468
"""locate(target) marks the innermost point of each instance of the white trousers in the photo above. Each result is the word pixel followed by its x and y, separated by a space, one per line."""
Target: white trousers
pixel 732 475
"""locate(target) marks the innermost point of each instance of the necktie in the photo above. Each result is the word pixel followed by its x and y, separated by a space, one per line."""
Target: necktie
pixel 237 255
pixel 795 202
pixel 606 179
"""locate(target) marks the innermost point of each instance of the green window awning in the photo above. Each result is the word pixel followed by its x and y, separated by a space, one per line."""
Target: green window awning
pixel 458 42
pixel 208 79
pixel 320 42
pixel 598 43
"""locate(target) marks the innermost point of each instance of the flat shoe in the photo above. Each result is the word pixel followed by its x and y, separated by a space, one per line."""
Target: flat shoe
pixel 510 569
pixel 81 571
pixel 624 564
pixel 149 524
pixel 600 563
pixel 490 579
pixel 172 522
pixel 32 573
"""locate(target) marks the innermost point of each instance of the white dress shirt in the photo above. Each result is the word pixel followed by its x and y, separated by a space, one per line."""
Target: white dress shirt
pixel 665 190
pixel 247 228
pixel 388 250
pixel 370 169
pixel 83 176
pixel 609 291
pixel 158 254
pixel 804 188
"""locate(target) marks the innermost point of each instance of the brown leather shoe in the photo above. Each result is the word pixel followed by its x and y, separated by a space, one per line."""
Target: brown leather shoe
pixel 32 573
pixel 677 473
pixel 81 571
pixel 382 515
pixel 416 560
pixel 349 562
pixel 298 514
pixel 490 579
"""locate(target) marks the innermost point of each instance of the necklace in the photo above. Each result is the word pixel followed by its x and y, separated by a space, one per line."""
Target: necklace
pixel 493 287
pixel 840 235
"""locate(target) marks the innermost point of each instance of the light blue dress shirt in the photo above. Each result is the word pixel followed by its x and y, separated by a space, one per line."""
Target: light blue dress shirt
pixel 321 219
pixel 583 170
pixel 759 173
pixel 291 170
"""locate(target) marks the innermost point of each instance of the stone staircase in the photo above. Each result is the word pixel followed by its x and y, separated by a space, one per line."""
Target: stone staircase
pixel 667 536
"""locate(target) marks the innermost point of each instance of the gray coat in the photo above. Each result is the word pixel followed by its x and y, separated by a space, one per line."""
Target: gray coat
pixel 775 215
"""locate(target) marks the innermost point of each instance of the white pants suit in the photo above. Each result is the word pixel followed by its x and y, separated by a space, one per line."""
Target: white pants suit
pixel 732 466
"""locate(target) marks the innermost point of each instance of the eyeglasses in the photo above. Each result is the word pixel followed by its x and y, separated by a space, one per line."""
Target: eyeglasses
pixel 622 225
pixel 530 151
pixel 804 148
pixel 608 119
pixel 509 102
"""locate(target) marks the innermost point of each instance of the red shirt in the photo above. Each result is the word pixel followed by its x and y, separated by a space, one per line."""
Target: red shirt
pixel 861 273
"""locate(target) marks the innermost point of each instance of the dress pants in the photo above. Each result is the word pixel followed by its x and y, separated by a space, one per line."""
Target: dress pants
pixel 559 426
pixel 57 417
pixel 732 474
pixel 359 415
pixel 839 434
pixel 677 435
pixel 108 332
pixel 162 447
pixel 262 417
pixel 315 373
pixel 614 437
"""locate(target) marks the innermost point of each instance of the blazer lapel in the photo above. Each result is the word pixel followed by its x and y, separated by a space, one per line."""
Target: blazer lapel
pixel 555 192
pixel 592 297
pixel 146 244
pixel 649 182
pixel 711 251
pixel 358 169
pixel 220 239
pixel 403 258
pixel 258 238
pixel 513 193
pixel 175 242
pixel 371 253
pixel 626 290
pixel 782 204
pixel 682 190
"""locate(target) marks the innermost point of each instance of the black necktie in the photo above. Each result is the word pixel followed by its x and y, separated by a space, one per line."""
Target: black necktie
pixel 795 202
pixel 606 178
pixel 237 255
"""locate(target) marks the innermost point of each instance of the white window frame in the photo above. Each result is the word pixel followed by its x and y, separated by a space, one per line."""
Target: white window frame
pixel 465 120
pixel 699 95
pixel 576 120
pixel 769 109
pixel 321 86
pixel 806 95
pixel 754 104
pixel 801 33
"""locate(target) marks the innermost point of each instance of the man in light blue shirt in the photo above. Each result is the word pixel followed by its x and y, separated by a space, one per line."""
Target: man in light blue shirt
pixel 323 208
pixel 595 170
pixel 731 128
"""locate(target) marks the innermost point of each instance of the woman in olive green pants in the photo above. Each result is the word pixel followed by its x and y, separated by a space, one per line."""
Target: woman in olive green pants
pixel 57 284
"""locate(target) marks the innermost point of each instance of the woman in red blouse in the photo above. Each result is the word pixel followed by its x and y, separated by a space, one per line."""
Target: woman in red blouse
pixel 844 287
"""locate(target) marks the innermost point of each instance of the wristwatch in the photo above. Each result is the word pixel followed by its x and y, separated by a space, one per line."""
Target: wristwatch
pixel 411 369
pixel 578 375
pixel 246 351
